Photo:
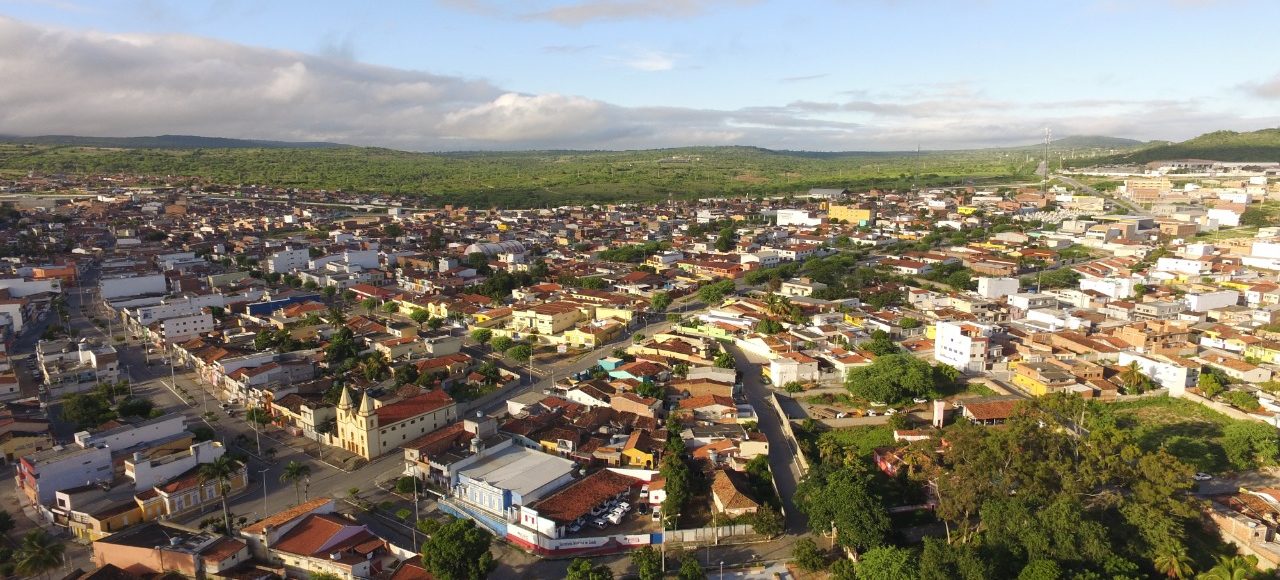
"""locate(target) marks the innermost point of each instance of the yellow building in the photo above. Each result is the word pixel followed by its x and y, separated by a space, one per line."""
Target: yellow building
pixel 546 319
pixel 849 214
pixel 16 444
pixel 372 430
pixel 1040 379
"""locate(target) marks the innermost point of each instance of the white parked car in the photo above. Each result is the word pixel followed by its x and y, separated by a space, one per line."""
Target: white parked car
pixel 1202 476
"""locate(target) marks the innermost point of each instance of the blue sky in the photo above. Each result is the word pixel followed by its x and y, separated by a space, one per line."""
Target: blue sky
pixel 480 74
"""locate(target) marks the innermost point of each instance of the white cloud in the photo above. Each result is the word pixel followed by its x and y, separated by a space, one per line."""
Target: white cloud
pixel 87 83
pixel 1268 89
pixel 595 10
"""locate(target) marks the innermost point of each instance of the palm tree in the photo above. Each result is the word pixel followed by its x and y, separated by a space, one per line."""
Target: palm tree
pixel 38 554
pixel 375 366
pixel 1132 378
pixel 1172 561
pixel 294 473
pixel 220 470
pixel 1232 568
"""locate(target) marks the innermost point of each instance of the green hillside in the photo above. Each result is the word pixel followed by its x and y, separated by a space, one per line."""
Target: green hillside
pixel 532 178
pixel 1263 145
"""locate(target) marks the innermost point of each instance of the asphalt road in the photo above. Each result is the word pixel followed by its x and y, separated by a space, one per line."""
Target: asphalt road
pixel 782 460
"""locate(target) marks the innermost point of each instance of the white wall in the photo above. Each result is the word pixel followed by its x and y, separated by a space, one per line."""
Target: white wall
pixel 993 288
pixel 1210 300
pixel 132 286
pixel 20 287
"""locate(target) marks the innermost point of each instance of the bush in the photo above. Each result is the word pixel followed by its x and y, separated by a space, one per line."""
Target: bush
pixel 808 556
pixel 1242 400
pixel 405 484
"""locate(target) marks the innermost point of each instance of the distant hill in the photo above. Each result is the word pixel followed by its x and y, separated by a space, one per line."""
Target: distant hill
pixel 165 142
pixel 1263 145
pixel 1096 142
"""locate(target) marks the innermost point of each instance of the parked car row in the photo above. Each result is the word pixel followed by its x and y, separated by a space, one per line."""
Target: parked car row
pixel 609 513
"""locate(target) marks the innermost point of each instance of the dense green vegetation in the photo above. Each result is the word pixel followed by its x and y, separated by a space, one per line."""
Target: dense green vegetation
pixel 1263 145
pixel 532 178
pixel 1041 497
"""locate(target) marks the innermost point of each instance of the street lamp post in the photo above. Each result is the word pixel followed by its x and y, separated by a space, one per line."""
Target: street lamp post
pixel 721 569
pixel 263 473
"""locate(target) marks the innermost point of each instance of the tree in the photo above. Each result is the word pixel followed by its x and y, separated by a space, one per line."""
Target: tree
pixel 808 555
pixel 38 554
pixel 1255 217
pixel 419 315
pixel 1041 570
pixel 892 378
pixel 392 230
pixel 520 352
pixel 888 563
pixel 841 500
pixel 725 360
pixel 1209 385
pixel 220 471
pixel 390 307
pixel 724 242
pixel 768 326
pixel 767 521
pixel 1241 400
pixel 660 301
pixel 1133 380
pixel 134 407
pixel 6 523
pixel 648 563
pixel 1248 444
pixel 1173 562
pixel 481 335
pixel 502 343
pixel 87 411
pixel 690 569
pixel 1232 568
pixel 295 473
pixel 369 304
pixel 581 569
pixel 458 550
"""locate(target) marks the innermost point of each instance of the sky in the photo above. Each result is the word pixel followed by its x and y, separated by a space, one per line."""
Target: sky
pixel 828 75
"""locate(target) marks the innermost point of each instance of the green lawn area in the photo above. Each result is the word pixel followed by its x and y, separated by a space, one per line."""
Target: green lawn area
pixel 1188 430
pixel 1227 234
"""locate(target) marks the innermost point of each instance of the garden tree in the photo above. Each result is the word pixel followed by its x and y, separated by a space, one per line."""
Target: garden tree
pixel 888 563
pixel 374 367
pixel 725 360
pixel 1241 400
pixel 842 569
pixel 458 550
pixel 944 374
pixel 842 500
pixel 649 389
pixel 479 261
pixel 405 374
pixel 943 561
pixel 647 562
pixel 892 378
pixel 1133 380
pixel 724 241
pixel 133 407
pixel 87 411
pixel 342 347
pixel 1040 570
pixel 349 295
pixel 581 569
pixel 808 555
pixel 590 283
pixel 1209 385
pixel 295 473
pixel 38 554
pixel 680 370
pixel 435 323
pixel 1233 568
pixel 369 304
pixel 769 326
pixel 675 472
pixel 768 521
pixel 1173 562
pixel 660 301
pixel 329 292
pixel 392 230
pixel 419 315
pixel 880 344
pixel 390 307
pixel 1249 445
pixel 520 352
pixel 690 569
pixel 481 335
pixel 502 343
pixel 220 471
pixel 714 293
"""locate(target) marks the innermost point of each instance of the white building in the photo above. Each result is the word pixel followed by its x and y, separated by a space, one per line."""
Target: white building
pixel 994 288
pixel 286 261
pixel 1114 288
pixel 965 346
pixel 148 472
pixel 793 367
pixel 183 328
pixel 1164 371
pixel 798 217
pixel 1206 301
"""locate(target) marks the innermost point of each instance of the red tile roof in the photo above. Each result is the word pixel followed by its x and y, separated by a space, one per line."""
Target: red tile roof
pixel 286 515
pixel 578 498
pixel 412 407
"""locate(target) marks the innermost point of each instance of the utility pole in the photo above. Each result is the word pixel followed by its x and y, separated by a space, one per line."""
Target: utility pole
pixel 1048 137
